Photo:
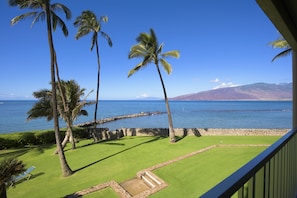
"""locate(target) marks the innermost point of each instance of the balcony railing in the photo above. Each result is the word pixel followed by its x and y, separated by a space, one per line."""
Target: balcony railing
pixel 272 174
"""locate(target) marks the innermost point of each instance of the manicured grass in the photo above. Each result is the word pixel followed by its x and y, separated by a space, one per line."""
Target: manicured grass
pixel 120 160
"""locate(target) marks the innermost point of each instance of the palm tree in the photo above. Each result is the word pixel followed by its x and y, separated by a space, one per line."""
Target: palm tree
pixel 151 52
pixel 87 22
pixel 9 168
pixel 43 107
pixel 283 44
pixel 44 10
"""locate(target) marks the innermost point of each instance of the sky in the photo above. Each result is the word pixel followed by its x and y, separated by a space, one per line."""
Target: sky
pixel 221 44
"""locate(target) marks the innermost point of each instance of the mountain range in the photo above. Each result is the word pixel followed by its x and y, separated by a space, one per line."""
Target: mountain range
pixel 256 91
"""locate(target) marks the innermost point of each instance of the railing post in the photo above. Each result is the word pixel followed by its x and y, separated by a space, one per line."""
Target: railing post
pixel 294 79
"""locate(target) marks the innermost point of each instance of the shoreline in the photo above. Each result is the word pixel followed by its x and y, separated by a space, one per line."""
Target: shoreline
pixel 204 131
pixel 106 134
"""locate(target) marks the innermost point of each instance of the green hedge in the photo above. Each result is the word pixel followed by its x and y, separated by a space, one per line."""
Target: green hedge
pixel 16 140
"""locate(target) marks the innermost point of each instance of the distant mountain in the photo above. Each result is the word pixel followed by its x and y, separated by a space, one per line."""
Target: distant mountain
pixel 257 91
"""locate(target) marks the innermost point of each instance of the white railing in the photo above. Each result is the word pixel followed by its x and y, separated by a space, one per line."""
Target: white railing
pixel 272 174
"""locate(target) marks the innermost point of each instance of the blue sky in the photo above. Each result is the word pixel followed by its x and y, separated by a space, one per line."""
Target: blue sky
pixel 222 43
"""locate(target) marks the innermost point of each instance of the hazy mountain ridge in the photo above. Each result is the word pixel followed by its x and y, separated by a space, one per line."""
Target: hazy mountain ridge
pixel 256 91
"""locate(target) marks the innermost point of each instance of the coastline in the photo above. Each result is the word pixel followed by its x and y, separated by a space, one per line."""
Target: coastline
pixel 105 134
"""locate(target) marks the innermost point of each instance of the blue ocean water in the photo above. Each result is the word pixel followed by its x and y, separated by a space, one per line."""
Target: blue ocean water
pixel 185 114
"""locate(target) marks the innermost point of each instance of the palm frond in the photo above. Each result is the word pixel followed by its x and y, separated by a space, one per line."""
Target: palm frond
pixel 137 51
pixel 167 67
pixel 31 4
pixel 107 38
pixel 56 20
pixel 10 167
pixel 160 49
pixel 19 18
pixel 43 93
pixel 42 108
pixel 39 16
pixel 143 38
pixel 82 32
pixel 59 6
pixel 135 69
pixel 104 19
pixel 173 53
pixel 282 54
pixel 153 39
pixel 280 43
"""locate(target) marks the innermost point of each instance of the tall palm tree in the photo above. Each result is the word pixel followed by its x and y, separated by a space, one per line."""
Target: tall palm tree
pixel 8 168
pixel 149 49
pixel 44 10
pixel 283 44
pixel 73 93
pixel 87 23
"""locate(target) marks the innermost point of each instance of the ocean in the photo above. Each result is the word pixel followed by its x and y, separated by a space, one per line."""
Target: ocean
pixel 185 114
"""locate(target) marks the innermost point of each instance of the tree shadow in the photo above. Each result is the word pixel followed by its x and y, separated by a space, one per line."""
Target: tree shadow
pixel 93 143
pixel 186 131
pixel 112 155
pixel 28 178
pixel 16 153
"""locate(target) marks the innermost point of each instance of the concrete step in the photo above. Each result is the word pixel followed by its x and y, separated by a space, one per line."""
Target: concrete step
pixel 150 179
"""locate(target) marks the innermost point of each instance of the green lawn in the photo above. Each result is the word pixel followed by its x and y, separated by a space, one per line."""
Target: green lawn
pixel 120 160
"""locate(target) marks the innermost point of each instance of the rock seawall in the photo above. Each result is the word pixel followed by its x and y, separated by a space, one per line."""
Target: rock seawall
pixel 163 132
pixel 203 132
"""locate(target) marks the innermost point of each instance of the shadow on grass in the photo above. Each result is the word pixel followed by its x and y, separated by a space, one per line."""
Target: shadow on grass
pixel 185 134
pixel 112 155
pixel 16 153
pixel 92 143
pixel 26 178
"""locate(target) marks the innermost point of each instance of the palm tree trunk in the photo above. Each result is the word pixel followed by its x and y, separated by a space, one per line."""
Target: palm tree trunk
pixel 64 142
pixel 3 191
pixel 171 129
pixel 68 137
pixel 97 93
pixel 66 171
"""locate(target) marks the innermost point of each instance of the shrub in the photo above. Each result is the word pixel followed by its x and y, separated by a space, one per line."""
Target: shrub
pixel 80 132
pixel 46 137
pixel 6 143
pixel 27 138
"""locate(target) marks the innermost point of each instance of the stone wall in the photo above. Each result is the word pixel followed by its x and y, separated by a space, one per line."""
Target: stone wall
pixel 163 132
pixel 202 132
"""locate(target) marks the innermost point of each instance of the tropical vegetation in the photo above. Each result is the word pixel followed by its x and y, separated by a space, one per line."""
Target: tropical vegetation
pixel 9 167
pixel 150 51
pixel 44 10
pixel 282 44
pixel 87 23
pixel 74 104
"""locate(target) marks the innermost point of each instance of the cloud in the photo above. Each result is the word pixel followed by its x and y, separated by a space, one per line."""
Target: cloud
pixel 144 95
pixel 224 85
pixel 215 80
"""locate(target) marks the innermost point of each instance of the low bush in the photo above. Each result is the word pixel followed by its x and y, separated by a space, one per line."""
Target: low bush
pixel 17 140
pixel 46 137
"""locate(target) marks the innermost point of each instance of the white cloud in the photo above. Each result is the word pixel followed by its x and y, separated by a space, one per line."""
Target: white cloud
pixel 224 85
pixel 215 80
pixel 144 95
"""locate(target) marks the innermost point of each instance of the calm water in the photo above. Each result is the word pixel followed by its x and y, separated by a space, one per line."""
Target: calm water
pixel 185 114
